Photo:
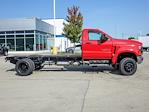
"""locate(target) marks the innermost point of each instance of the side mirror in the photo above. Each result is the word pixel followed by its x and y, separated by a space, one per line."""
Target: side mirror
pixel 103 38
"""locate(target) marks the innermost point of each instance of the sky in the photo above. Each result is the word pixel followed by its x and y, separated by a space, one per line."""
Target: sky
pixel 119 18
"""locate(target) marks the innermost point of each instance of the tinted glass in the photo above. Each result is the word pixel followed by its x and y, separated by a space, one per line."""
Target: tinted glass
pixel 2 32
pixel 19 31
pixel 29 44
pixel 10 44
pixel 9 32
pixel 29 35
pixel 29 31
pixel 2 36
pixel 20 44
pixel 10 36
pixel 20 36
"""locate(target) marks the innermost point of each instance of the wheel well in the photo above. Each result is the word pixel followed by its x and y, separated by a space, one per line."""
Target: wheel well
pixel 124 55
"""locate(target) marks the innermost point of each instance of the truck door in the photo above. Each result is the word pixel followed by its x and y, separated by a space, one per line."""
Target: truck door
pixel 93 48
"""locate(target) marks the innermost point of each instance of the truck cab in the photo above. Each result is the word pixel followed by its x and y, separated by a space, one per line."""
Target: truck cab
pixel 97 45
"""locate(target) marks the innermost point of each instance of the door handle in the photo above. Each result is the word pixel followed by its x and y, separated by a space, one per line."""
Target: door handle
pixel 88 43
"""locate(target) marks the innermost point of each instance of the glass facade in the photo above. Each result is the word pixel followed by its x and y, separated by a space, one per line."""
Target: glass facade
pixel 28 40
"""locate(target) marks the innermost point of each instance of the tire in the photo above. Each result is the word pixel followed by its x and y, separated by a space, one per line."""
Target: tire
pixel 24 67
pixel 147 49
pixel 128 66
pixel 5 53
pixel 32 63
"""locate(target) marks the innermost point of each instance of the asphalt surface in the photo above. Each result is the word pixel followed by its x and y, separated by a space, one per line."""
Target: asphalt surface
pixel 74 89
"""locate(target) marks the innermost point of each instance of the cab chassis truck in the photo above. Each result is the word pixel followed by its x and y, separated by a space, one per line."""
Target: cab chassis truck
pixel 97 48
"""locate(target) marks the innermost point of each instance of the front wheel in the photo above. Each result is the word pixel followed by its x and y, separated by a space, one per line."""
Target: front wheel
pixel 128 66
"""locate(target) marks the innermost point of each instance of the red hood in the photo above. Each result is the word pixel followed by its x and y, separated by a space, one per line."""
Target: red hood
pixel 126 42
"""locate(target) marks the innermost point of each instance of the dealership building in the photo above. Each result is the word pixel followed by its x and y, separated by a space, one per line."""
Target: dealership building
pixel 32 34
pixel 60 41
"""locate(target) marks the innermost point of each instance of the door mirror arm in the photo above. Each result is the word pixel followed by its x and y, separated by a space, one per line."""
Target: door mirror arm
pixel 103 39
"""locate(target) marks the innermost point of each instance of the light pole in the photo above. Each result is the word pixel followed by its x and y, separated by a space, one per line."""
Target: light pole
pixel 54 20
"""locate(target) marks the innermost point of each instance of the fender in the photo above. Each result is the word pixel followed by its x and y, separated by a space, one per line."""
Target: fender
pixel 123 50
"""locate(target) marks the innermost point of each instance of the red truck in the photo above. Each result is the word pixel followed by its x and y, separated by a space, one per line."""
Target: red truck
pixel 97 48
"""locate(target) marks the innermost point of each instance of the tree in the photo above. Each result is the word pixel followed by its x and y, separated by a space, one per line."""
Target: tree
pixel 73 25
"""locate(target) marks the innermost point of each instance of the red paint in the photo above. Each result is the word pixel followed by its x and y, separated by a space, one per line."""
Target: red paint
pixel 109 49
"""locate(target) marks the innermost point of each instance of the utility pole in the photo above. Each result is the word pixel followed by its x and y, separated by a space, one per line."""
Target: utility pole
pixel 54 16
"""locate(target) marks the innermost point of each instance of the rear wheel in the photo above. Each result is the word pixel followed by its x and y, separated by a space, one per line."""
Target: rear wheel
pixel 25 67
pixel 32 63
pixel 128 66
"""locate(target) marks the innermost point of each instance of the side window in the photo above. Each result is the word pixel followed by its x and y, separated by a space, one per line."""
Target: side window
pixel 94 35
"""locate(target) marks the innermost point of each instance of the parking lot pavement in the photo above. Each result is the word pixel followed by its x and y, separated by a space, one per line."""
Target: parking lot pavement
pixel 74 90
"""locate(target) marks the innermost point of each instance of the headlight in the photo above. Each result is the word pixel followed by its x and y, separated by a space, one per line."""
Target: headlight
pixel 140 47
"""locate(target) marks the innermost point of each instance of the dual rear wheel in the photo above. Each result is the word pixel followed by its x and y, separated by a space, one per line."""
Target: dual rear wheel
pixel 25 67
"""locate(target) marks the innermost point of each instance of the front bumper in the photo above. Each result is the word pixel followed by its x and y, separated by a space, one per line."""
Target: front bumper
pixel 140 59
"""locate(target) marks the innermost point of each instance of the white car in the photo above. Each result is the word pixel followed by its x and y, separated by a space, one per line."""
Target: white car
pixel 75 49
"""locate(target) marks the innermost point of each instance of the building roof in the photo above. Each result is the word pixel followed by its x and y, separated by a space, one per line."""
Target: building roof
pixel 25 24
pixel 58 23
